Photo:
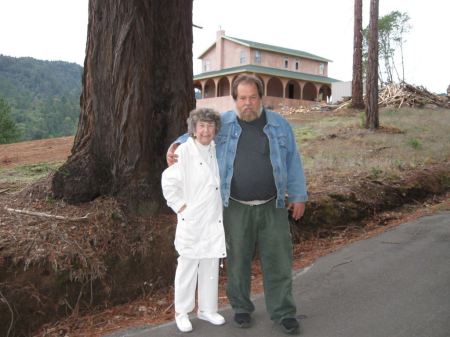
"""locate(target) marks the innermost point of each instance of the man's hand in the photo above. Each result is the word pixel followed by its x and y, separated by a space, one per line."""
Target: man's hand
pixel 297 208
pixel 171 157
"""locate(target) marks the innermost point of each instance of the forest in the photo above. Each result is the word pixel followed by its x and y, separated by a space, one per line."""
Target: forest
pixel 42 98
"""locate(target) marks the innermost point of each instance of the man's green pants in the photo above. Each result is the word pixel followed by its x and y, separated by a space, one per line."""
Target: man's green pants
pixel 265 228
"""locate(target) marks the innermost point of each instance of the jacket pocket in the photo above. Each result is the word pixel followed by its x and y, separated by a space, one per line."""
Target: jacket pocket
pixel 187 228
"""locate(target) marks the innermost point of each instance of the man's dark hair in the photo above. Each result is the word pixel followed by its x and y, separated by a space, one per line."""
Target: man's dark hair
pixel 250 79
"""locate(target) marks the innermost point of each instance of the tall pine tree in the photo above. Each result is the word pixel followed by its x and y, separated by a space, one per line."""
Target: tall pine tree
pixel 357 78
pixel 372 121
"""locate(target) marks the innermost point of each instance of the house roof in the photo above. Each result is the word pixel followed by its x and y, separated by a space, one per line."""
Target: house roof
pixel 268 47
pixel 251 68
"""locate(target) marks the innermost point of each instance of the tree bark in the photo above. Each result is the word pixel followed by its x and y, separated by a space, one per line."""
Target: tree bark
pixel 357 80
pixel 137 93
pixel 372 121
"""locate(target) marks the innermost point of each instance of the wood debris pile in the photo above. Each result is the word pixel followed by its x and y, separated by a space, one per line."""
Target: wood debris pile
pixel 288 110
pixel 32 236
pixel 407 95
pixel 301 109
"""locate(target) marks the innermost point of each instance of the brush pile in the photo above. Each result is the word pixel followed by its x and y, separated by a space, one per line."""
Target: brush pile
pixel 406 95
pixel 284 109
pixel 288 110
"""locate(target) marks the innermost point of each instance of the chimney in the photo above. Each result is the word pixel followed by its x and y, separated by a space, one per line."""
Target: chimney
pixel 219 48
pixel 220 33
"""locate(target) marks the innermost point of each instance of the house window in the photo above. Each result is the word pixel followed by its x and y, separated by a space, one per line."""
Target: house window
pixel 286 62
pixel 321 68
pixel 297 64
pixel 257 57
pixel 206 66
pixel 243 58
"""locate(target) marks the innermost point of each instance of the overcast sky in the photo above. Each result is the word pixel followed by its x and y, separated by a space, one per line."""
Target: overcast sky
pixel 56 30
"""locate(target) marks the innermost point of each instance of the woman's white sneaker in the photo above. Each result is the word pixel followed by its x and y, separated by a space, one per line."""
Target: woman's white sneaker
pixel 183 322
pixel 211 317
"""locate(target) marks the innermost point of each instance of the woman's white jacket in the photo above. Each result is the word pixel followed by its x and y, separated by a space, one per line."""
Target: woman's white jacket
pixel 195 183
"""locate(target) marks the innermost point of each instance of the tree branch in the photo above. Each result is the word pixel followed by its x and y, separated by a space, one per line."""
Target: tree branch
pixel 46 215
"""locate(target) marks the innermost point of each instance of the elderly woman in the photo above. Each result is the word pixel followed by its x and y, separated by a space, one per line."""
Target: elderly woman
pixel 192 189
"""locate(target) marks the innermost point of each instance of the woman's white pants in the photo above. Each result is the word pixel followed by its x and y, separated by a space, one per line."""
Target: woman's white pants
pixel 189 272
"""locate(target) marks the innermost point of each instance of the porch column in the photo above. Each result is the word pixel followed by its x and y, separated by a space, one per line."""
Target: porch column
pixel 202 83
pixel 301 84
pixel 284 83
pixel 317 91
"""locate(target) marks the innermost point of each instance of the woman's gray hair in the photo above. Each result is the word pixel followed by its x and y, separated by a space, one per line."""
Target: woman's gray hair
pixel 202 115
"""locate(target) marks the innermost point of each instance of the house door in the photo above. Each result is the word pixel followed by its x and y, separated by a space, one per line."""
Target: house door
pixel 290 90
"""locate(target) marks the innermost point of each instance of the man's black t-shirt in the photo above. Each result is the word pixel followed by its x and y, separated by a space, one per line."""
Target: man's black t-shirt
pixel 253 173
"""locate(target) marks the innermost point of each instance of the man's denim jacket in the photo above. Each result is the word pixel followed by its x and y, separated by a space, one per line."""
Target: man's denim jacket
pixel 284 156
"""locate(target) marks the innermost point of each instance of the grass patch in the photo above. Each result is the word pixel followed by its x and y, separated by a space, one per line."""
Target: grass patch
pixel 304 133
pixel 415 143
pixel 26 174
pixel 338 147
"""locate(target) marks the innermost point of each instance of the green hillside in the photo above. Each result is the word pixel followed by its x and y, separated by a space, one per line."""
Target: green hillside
pixel 44 96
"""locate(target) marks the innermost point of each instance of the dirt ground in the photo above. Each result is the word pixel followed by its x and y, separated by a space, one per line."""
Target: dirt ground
pixel 158 308
pixel 36 151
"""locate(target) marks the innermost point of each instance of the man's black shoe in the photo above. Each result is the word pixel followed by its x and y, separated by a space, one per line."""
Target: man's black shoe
pixel 290 326
pixel 242 319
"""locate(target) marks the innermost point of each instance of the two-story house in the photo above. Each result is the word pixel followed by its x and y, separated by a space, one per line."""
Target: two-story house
pixel 291 77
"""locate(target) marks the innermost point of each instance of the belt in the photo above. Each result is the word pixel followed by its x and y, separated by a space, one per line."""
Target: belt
pixel 253 202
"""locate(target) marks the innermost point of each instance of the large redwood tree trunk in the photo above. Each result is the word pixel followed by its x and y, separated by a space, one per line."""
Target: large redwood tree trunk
pixel 137 92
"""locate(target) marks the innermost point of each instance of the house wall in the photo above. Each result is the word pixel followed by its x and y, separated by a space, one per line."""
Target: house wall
pixel 231 57
pixel 226 103
pixel 211 57
pixel 232 54
pixel 219 104
pixel 312 67
pixel 275 60
pixel 340 90
pixel 276 103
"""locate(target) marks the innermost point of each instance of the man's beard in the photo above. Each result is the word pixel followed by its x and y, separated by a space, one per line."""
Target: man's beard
pixel 250 115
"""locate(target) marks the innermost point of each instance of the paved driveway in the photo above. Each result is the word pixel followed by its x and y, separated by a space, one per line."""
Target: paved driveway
pixel 396 284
